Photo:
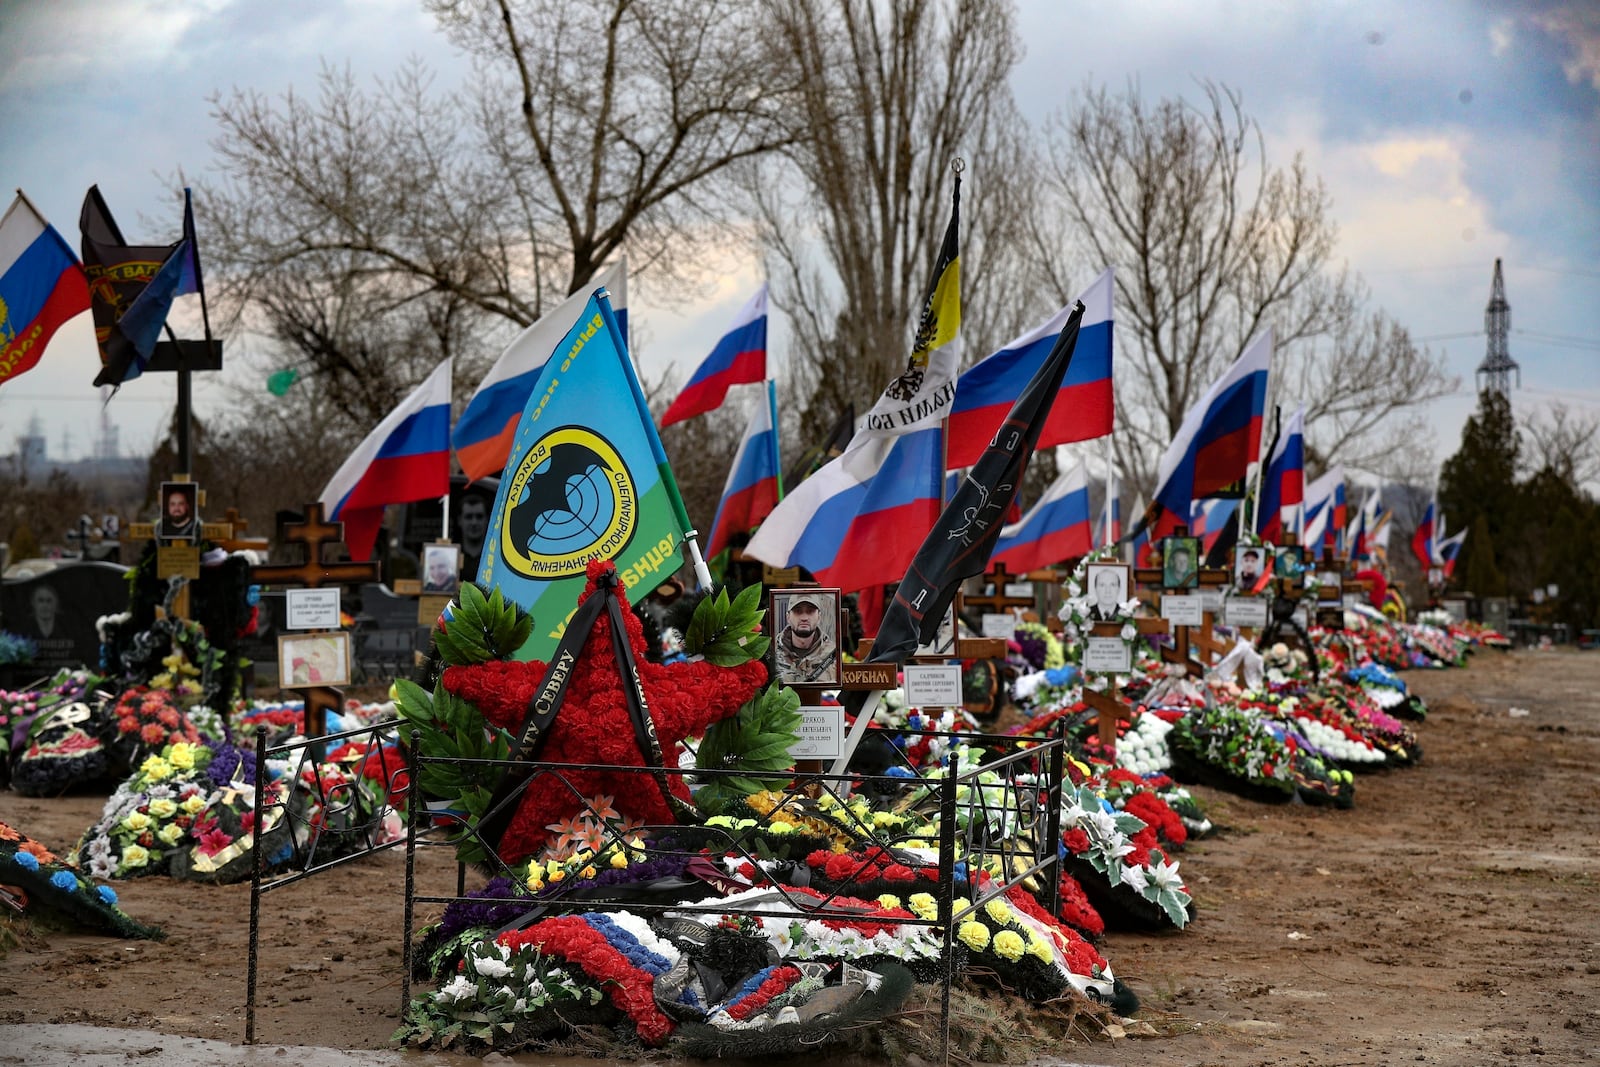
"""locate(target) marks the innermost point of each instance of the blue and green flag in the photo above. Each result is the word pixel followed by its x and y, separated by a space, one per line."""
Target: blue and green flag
pixel 587 479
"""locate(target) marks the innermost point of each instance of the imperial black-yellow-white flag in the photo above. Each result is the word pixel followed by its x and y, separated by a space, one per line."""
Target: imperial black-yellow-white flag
pixel 962 540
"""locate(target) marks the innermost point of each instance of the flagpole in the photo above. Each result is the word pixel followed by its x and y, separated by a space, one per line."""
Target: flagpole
pixel 691 546
pixel 772 417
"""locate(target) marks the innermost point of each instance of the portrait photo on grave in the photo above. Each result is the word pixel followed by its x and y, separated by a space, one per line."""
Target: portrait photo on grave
pixel 1180 560
pixel 1289 562
pixel 806 648
pixel 469 512
pixel 1107 588
pixel 313 659
pixel 441 565
pixel 1250 571
pixel 180 512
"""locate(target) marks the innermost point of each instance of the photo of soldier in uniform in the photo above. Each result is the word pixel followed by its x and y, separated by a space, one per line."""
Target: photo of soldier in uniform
pixel 806 649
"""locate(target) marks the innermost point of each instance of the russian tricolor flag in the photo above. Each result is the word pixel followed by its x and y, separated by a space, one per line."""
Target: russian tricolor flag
pixel 1055 529
pixel 1284 483
pixel 41 287
pixel 1211 519
pixel 1219 437
pixel 740 357
pixel 1324 501
pixel 1082 409
pixel 1449 549
pixel 1424 543
pixel 753 486
pixel 488 425
pixel 860 520
pixel 406 458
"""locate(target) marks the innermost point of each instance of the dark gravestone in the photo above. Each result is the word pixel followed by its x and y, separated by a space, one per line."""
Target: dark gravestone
pixel 470 505
pixel 57 610
pixel 261 647
pixel 387 634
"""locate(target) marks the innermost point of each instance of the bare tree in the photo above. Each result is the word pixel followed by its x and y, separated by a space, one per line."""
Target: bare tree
pixel 1212 244
pixel 1362 382
pixel 396 223
pixel 1564 442
pixel 853 210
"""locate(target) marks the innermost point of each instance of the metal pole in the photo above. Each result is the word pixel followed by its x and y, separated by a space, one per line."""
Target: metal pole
pixel 255 892
pixel 413 812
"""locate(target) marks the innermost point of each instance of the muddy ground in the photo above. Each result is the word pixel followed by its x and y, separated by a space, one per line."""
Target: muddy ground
pixel 1452 917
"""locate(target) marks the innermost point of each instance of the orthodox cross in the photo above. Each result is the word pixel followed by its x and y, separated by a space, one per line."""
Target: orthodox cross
pixel 1182 637
pixel 1109 707
pixel 999 602
pixel 313 573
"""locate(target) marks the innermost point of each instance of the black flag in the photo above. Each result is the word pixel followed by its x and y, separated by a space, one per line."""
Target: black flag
pixel 962 540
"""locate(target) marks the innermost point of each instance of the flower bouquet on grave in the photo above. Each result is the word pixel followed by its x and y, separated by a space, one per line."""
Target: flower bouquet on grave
pixel 150 816
pixel 1138 796
pixel 752 986
pixel 1436 644
pixel 1115 857
pixel 147 720
pixel 1397 740
pixel 1041 649
pixel 52 892
pixel 221 843
pixel 340 808
pixel 1323 729
pixel 57 746
pixel 1234 749
pixel 503 997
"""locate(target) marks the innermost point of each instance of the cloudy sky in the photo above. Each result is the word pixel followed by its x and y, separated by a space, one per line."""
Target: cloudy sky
pixel 1449 133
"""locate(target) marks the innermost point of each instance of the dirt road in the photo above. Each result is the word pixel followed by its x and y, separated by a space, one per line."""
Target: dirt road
pixel 1452 917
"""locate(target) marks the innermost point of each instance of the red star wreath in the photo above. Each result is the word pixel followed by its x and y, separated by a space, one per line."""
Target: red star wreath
pixel 593 725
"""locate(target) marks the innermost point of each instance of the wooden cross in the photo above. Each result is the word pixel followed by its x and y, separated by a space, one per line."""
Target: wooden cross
pixel 236 541
pixel 998 602
pixel 314 573
pixel 1109 706
pixel 1211 577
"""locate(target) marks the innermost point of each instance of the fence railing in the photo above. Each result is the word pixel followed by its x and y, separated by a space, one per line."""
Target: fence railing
pixel 1000 812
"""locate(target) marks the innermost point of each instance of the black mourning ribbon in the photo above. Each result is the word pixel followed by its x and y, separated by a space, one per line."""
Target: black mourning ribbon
pixel 552 693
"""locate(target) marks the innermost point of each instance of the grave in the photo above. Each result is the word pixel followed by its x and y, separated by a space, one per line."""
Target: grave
pixel 57 610
pixel 387 635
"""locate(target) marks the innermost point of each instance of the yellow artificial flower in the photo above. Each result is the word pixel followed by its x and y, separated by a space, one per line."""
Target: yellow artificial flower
pixel 959 905
pixel 181 755
pixel 155 768
pixel 136 821
pixel 781 827
pixel 619 859
pixel 163 808
pixel 974 935
pixel 587 872
pixel 193 804
pixel 1009 945
pixel 998 910
pixel 888 900
pixel 1040 948
pixel 169 834
pixel 161 681
pixel 923 906
pixel 535 878
pixel 135 856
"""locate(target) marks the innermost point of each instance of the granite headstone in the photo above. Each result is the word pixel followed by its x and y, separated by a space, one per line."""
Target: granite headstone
pixel 57 610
